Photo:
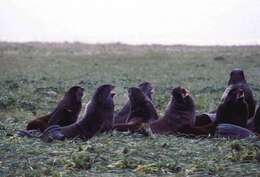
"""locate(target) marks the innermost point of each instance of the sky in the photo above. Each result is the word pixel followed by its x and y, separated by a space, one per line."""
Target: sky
pixel 196 22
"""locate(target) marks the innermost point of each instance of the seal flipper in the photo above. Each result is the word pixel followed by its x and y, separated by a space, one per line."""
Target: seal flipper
pixel 233 132
pixel 51 133
pixel 29 133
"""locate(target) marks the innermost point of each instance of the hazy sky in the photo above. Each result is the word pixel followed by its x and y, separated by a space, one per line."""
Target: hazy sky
pixel 132 21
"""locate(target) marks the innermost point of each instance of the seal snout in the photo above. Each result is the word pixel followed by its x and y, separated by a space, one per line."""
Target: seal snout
pixel 240 94
pixel 184 92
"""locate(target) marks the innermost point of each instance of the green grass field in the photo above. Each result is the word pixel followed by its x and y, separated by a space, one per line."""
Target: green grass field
pixel 34 76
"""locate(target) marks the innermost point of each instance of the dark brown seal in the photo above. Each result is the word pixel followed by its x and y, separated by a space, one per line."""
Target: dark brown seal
pixel 65 113
pixel 100 109
pixel 142 111
pixel 234 108
pixel 122 115
pixel 179 113
pixel 236 78
pixel 231 116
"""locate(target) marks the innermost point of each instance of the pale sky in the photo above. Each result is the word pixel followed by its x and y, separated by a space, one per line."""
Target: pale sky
pixel 198 22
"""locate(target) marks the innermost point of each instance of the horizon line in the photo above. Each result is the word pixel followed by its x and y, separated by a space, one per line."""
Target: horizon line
pixel 130 44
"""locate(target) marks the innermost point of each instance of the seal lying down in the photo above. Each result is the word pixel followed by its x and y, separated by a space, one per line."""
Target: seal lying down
pixel 233 132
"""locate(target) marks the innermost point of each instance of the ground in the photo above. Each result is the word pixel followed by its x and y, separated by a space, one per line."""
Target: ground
pixel 34 76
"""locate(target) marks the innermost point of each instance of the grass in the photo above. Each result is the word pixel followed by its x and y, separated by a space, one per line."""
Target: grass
pixel 34 76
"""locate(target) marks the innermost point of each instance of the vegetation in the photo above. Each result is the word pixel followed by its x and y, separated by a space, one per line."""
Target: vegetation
pixel 34 76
